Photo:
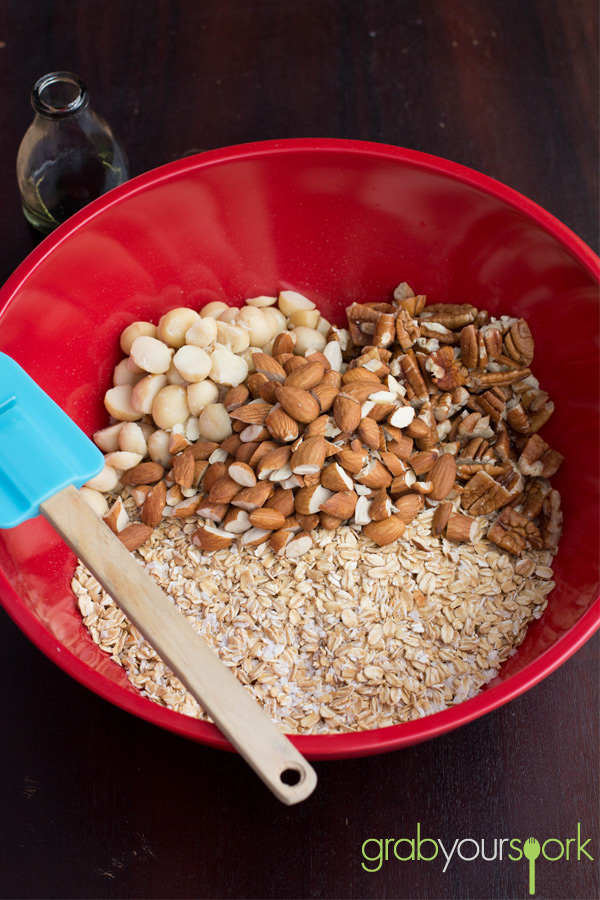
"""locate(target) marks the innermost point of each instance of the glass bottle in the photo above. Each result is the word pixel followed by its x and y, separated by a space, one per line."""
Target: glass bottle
pixel 68 156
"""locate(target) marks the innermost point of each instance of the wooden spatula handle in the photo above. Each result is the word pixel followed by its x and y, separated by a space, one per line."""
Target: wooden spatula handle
pixel 233 710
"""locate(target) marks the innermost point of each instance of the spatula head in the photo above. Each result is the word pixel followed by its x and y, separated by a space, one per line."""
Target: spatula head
pixel 41 449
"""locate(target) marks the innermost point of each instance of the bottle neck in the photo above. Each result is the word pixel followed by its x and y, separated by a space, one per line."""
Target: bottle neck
pixel 59 95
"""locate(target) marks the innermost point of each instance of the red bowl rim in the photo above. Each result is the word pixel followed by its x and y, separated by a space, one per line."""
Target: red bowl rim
pixel 336 746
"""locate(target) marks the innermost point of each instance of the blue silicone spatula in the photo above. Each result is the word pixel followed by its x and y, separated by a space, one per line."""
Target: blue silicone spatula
pixel 44 458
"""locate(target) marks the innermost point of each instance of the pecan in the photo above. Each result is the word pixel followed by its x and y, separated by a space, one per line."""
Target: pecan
pixel 532 499
pixel 493 341
pixel 514 533
pixel 444 369
pixel 413 378
pixel 482 495
pixel 474 425
pixel 385 330
pixel 493 403
pixel 472 348
pixel 407 330
pixel 435 331
pixel 538 459
pixel 539 407
pixel 519 343
pixel 502 446
pixel 452 315
pixel 551 521
pixel 484 380
pixel 477 450
pixel 517 419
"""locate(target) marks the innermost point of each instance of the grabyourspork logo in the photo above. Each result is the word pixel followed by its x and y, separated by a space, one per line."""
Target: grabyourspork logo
pixel 376 851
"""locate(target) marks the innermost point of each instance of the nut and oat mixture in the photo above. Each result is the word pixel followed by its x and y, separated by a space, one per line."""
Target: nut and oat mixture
pixel 349 637
pixel 360 520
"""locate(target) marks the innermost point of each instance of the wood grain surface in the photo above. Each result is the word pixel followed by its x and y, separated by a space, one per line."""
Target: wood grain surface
pixel 97 804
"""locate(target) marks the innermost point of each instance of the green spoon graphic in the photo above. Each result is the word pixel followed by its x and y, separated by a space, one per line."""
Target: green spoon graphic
pixel 531 849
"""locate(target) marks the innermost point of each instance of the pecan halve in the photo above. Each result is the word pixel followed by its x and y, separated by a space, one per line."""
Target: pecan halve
pixel 514 533
pixel 444 369
pixel 482 495
pixel 538 459
pixel 519 343
pixel 551 521
pixel 452 315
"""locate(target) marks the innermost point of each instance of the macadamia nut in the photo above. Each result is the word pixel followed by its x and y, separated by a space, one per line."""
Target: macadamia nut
pixel 131 438
pixel 117 401
pixel 308 339
pixel 145 391
pixel 192 363
pixel 172 327
pixel 170 406
pixel 235 337
pixel 215 423
pixel 133 331
pixel 151 355
pixel 158 447
pixel 257 324
pixel 226 367
pixel 203 333
pixel 200 395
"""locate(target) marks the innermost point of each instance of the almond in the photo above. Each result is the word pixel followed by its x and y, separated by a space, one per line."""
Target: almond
pixel 212 475
pixel 401 447
pixel 284 343
pixel 203 449
pixel 325 395
pixel 292 524
pixel 391 462
pixel 307 376
pixel 155 502
pixel 329 523
pixel 210 539
pixel 309 457
pixel 223 490
pixel 347 413
pixel 173 495
pixel 308 523
pixel 177 443
pixel 316 428
pixel 281 426
pixel 359 373
pixel 268 392
pixel 298 545
pixel 187 507
pixel 266 365
pixel 117 518
pixel 352 460
pixel 272 461
pixel 242 473
pixel 359 390
pixel 380 411
pixel 279 539
pixel 236 521
pixel 254 382
pixel 375 475
pixel 253 413
pixel 215 512
pixel 459 528
pixel 231 444
pixel 369 433
pixel 267 518
pixel 333 379
pixel 255 536
pixel 386 531
pixel 299 404
pixel 252 433
pixel 311 479
pixel 308 500
pixel 283 501
pixel 293 363
pixel 235 397
pixel 317 356
pixel 409 506
pixel 143 473
pixel 401 417
pixel 335 478
pixel 183 468
pixel 417 429
pixel 200 467
pixel 134 535
pixel 381 506
pixel 440 518
pixel 424 461
pixel 253 497
pixel 340 505
pixel 260 451
pixel 246 450
pixel 443 476
pixel 402 483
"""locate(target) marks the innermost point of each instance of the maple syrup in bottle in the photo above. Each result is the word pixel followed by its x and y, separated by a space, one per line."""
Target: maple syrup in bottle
pixel 68 156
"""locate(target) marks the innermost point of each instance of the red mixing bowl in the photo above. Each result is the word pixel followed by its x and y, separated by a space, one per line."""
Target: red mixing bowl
pixel 339 221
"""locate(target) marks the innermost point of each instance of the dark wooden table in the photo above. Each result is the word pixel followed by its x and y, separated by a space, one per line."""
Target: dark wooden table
pixel 95 803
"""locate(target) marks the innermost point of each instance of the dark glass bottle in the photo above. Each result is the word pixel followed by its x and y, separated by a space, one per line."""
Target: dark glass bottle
pixel 69 156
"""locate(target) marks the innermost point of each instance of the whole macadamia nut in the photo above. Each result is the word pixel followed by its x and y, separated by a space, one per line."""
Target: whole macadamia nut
pixel 172 327
pixel 170 406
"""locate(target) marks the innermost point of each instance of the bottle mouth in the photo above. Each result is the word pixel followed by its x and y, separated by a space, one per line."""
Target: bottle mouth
pixel 59 95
